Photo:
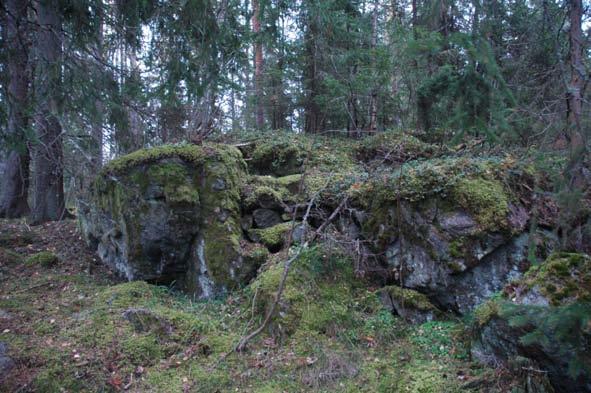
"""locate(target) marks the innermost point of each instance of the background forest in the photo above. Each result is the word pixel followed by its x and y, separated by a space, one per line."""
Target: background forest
pixel 84 81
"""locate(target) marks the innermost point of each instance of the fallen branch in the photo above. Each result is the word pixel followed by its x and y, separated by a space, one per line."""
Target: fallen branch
pixel 33 287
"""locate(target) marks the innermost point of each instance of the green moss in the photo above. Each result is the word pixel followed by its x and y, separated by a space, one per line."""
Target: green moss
pixel 485 199
pixel 142 349
pixel 278 156
pixel 289 181
pixel 220 204
pixel 318 294
pixel 129 294
pixel 410 298
pixel 273 237
pixel 563 278
pixel 456 248
pixel 178 186
pixel 43 258
pixel 486 311
pixel 262 195
pixel 394 147
pixel 189 153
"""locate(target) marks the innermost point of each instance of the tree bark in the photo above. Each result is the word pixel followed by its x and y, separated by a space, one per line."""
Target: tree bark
pixel 99 107
pixel 311 82
pixel 577 73
pixel 258 64
pixel 49 202
pixel 13 199
pixel 373 107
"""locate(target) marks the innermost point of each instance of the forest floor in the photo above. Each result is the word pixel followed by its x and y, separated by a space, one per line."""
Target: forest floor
pixel 70 325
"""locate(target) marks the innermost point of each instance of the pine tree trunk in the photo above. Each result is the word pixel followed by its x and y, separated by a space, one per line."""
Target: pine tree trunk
pixel 48 160
pixel 13 198
pixel 311 83
pixel 258 64
pixel 577 71
pixel 373 107
pixel 135 131
pixel 97 123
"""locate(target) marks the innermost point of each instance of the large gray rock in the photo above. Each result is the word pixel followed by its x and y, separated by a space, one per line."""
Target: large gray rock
pixel 266 218
pixel 455 264
pixel 171 214
pixel 458 247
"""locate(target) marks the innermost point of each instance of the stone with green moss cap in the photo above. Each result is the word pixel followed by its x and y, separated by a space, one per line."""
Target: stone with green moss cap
pixel 171 214
pixel 447 225
pixel 413 306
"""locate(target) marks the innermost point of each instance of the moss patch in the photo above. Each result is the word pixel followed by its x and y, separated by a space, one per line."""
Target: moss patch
pixel 409 298
pixel 485 199
pixel 43 258
pixel 564 278
pixel 273 237
pixel 394 147
pixel 178 187
pixel 189 153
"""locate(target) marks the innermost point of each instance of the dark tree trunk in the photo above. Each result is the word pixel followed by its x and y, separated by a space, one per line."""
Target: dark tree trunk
pixel 48 161
pixel 373 107
pixel 99 107
pixel 311 83
pixel 258 64
pixel 13 198
pixel 577 74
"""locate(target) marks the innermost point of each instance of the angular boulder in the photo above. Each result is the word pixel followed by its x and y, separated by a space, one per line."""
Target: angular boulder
pixel 452 229
pixel 544 318
pixel 171 214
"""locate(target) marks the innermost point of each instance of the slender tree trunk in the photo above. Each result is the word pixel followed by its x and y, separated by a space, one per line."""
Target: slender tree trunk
pixel 99 108
pixel 311 83
pixel 373 107
pixel 258 64
pixel 13 198
pixel 48 163
pixel 135 126
pixel 577 71
pixel 415 19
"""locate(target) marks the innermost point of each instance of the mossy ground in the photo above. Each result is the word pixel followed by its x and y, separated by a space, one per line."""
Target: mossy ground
pixel 66 332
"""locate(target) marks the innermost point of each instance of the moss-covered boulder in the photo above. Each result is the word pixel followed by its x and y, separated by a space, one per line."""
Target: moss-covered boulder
pixel 411 305
pixel 454 229
pixel 171 214
pixel 545 317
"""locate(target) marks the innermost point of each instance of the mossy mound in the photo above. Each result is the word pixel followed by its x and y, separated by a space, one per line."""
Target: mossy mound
pixel 278 156
pixel 269 192
pixel 43 258
pixel 411 305
pixel 274 237
pixel 487 200
pixel 543 317
pixel 395 147
pixel 564 278
pixel 317 293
